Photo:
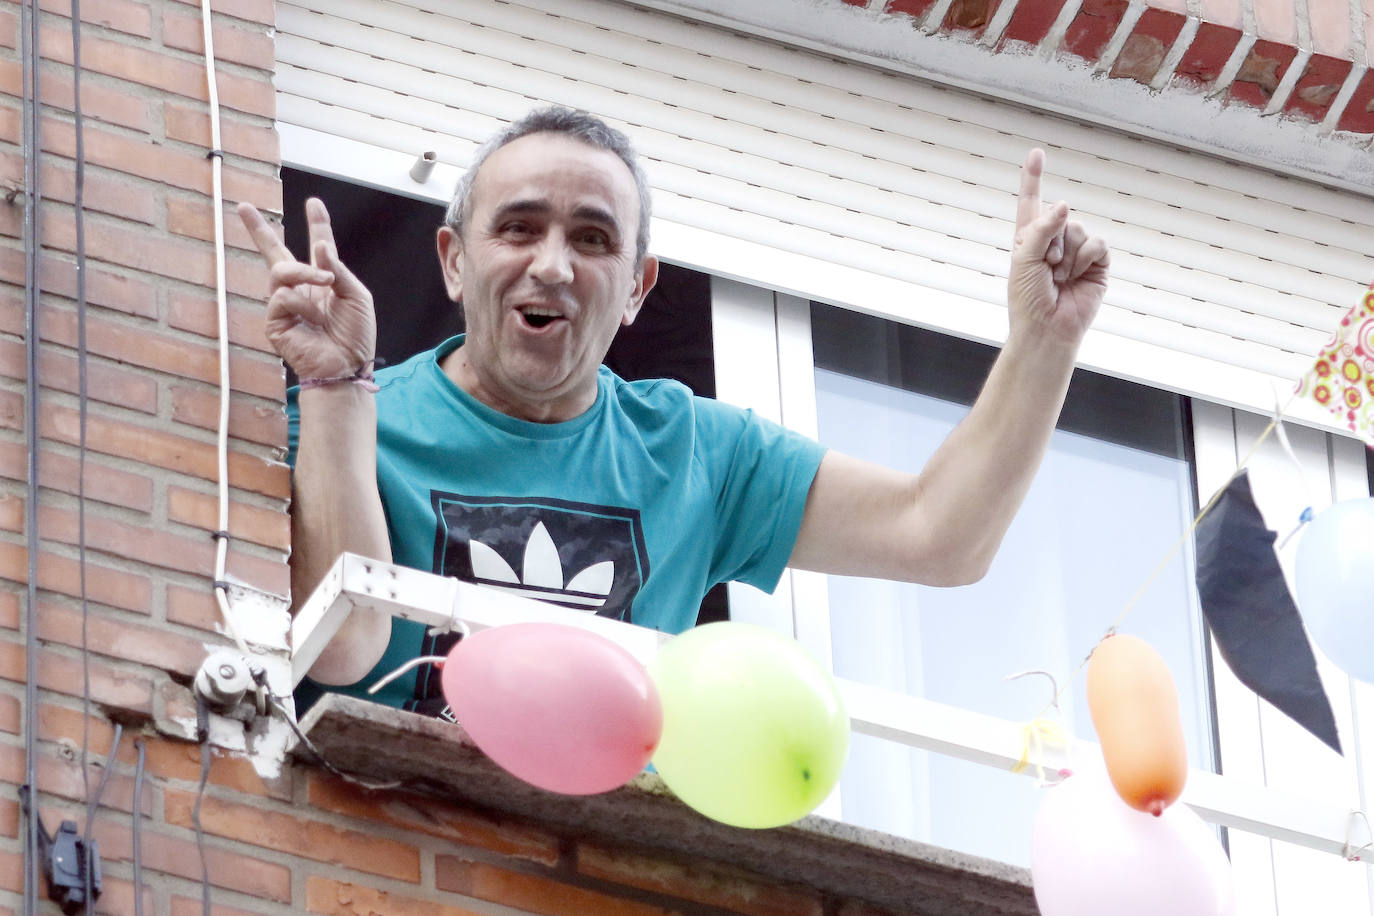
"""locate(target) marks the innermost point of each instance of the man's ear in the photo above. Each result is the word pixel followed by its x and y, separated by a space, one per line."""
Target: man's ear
pixel 450 252
pixel 645 280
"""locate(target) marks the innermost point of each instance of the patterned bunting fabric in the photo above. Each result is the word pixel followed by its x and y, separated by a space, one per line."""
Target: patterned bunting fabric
pixel 1342 379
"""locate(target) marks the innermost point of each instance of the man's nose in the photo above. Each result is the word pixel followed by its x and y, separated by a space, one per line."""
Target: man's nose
pixel 551 264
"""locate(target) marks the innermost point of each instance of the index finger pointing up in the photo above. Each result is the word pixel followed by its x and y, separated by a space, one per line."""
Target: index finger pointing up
pixel 1028 201
pixel 270 245
pixel 320 229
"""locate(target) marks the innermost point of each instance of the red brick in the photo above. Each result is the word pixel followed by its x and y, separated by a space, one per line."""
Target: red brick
pixel 970 17
pixel 12 410
pixel 177 760
pixel 715 886
pixel 165 450
pixel 9 818
pixel 338 898
pixel 113 687
pixel 12 512
pixel 10 712
pixel 192 125
pixel 58 472
pixel 299 837
pixel 264 423
pixel 186 906
pixel 1031 21
pixel 263 11
pixel 149 67
pixel 158 648
pixel 103 287
pixel 1358 115
pixel 144 345
pixel 1261 73
pixel 104 382
pixel 113 195
pixel 525 891
pixel 160 548
pixel 9 609
pixel 181 168
pixel 250 47
pixel 1093 27
pixel 176 856
pixel 192 607
pixel 12 871
pixel 120 15
pixel 194 218
pixel 433 817
pixel 916 9
pixel 268 527
pixel 1316 89
pixel 199 315
pixel 99 103
pixel 113 587
pixel 1205 57
pixel 1149 42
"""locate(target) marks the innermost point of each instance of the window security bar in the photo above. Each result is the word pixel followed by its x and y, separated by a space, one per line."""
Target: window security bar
pixel 358 582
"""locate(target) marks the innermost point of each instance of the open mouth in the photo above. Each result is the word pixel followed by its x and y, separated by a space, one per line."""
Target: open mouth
pixel 539 318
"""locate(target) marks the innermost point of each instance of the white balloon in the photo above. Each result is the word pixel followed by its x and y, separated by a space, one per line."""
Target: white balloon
pixel 1091 855
pixel 1335 582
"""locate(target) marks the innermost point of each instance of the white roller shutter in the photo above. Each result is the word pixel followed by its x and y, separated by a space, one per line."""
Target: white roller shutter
pixel 834 181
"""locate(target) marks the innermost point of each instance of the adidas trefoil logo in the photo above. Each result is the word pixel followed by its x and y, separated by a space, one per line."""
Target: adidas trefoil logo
pixel 543 574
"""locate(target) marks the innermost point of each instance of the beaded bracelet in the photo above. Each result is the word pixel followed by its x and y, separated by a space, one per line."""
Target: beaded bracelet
pixel 363 378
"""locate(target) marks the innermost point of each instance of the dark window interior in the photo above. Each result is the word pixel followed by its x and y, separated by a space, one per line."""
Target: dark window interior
pixel 387 240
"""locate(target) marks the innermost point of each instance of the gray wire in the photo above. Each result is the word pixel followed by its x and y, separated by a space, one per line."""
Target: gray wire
pixel 28 36
pixel 91 809
pixel 200 832
pixel 137 829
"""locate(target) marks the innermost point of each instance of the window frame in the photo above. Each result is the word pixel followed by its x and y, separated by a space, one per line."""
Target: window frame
pixel 764 362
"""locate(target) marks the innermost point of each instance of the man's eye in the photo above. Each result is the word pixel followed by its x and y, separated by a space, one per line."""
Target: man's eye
pixel 595 238
pixel 516 229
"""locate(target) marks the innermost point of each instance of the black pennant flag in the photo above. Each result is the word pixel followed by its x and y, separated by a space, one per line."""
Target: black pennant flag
pixel 1253 617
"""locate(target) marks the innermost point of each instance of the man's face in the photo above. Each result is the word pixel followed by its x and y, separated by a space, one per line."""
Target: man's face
pixel 546 273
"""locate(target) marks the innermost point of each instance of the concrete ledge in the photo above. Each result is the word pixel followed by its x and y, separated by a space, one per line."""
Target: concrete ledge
pixel 436 757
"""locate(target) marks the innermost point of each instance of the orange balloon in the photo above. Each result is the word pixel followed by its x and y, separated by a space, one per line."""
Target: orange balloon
pixel 1134 706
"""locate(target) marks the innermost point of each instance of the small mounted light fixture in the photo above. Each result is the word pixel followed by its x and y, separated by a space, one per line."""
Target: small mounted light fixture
pixel 424 165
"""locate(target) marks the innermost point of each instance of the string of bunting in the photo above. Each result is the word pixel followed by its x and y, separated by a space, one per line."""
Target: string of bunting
pixel 1341 380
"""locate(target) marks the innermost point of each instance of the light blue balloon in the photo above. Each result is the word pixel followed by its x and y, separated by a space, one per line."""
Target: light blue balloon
pixel 1335 579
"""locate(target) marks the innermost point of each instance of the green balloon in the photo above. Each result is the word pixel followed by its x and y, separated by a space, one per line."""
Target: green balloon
pixel 754 731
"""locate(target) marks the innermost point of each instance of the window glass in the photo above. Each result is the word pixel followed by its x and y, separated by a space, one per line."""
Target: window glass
pixel 1114 495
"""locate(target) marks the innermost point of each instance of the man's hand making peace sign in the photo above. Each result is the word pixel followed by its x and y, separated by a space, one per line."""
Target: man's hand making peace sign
pixel 319 316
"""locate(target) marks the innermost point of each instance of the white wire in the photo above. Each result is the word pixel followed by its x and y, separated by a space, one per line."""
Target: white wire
pixel 222 306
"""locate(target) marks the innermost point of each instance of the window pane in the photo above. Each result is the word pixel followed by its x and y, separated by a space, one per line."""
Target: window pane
pixel 1099 518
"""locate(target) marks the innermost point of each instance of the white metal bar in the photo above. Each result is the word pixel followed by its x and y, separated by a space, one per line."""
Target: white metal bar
pixel 357 582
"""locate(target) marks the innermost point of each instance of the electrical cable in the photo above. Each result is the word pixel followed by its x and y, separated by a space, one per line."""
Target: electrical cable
pixel 137 827
pixel 80 216
pixel 28 37
pixel 222 312
pixel 91 808
pixel 200 831
pixel 276 702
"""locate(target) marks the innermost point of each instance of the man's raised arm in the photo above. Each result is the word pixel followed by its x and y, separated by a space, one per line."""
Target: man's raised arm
pixel 320 321
pixel 943 526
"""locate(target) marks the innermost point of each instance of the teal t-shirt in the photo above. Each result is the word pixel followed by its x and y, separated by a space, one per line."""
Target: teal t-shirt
pixel 633 510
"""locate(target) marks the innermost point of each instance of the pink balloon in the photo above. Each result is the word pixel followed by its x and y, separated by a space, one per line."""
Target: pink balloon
pixel 559 707
pixel 1092 854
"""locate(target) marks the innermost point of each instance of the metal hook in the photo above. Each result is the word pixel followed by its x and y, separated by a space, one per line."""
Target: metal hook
pixel 1054 684
pixel 1352 854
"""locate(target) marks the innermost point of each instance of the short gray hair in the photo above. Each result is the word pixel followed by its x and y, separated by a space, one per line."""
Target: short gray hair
pixel 556 119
